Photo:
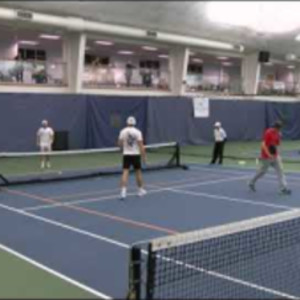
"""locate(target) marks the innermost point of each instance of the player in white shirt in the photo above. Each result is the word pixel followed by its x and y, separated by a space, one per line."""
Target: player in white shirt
pixel 131 143
pixel 220 140
pixel 45 139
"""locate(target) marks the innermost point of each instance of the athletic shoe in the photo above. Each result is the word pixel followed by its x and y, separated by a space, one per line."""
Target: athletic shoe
pixel 123 194
pixel 142 192
pixel 285 191
pixel 48 165
pixel 42 165
pixel 252 187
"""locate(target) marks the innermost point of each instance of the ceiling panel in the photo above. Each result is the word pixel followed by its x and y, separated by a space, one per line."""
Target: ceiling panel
pixel 187 18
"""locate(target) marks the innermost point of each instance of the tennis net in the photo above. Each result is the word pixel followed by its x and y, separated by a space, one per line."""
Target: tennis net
pixel 252 259
pixel 17 168
pixel 242 151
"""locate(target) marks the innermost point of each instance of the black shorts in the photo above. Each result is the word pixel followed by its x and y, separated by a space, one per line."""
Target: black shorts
pixel 132 160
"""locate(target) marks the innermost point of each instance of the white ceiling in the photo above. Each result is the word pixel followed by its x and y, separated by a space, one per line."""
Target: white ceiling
pixel 187 18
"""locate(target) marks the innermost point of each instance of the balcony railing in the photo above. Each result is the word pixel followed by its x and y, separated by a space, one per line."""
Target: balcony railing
pixel 16 72
pixel 120 77
pixel 268 87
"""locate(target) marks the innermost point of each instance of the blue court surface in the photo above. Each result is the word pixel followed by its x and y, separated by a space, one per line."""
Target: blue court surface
pixel 84 231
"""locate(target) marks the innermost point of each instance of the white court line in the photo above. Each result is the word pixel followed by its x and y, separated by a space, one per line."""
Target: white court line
pixel 92 200
pixel 126 246
pixel 112 197
pixel 229 278
pixel 242 172
pixel 53 272
pixel 239 200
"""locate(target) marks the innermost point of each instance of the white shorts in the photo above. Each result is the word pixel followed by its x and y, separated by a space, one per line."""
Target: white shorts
pixel 45 147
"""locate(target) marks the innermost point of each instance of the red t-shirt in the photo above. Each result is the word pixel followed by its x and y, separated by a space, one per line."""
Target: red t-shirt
pixel 271 138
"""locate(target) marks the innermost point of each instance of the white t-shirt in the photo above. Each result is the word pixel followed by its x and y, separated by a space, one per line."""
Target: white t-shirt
pixel 220 135
pixel 45 135
pixel 130 137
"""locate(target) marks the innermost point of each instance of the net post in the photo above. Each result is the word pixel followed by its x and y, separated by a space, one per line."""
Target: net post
pixel 150 273
pixel 177 155
pixel 135 275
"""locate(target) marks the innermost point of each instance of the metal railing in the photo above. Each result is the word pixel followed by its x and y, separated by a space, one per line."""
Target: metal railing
pixel 268 87
pixel 122 77
pixel 32 72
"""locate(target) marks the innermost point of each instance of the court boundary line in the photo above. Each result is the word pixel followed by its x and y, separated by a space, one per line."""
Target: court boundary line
pixel 113 197
pixel 240 171
pixel 104 191
pixel 88 211
pixel 127 246
pixel 231 199
pixel 53 272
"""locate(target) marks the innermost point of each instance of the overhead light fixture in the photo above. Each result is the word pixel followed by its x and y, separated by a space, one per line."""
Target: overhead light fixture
pixel 50 36
pixel 163 56
pixel 25 42
pixel 265 16
pixel 268 63
pixel 227 63
pixel 104 43
pixel 291 67
pixel 222 57
pixel 290 57
pixel 197 60
pixel 149 48
pixel 193 41
pixel 126 52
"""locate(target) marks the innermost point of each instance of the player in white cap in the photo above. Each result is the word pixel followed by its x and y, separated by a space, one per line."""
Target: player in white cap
pixel 45 139
pixel 131 143
pixel 220 139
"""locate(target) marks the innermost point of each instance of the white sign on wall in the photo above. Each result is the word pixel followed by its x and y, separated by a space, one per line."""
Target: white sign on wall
pixel 201 107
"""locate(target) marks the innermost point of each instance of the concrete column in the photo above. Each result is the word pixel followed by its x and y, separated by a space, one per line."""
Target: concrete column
pixel 250 73
pixel 297 79
pixel 179 57
pixel 73 55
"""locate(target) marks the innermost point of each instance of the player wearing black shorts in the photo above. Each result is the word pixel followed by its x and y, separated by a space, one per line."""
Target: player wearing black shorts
pixel 131 143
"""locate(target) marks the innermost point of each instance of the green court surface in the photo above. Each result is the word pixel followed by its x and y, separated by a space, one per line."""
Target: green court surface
pixel 22 279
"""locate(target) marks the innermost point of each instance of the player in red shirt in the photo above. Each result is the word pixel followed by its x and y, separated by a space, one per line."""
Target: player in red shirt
pixel 270 157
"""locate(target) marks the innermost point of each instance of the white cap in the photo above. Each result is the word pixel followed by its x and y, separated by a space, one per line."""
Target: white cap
pixel 131 121
pixel 44 122
pixel 218 124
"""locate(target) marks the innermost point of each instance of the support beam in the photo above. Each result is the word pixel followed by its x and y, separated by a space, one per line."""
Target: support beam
pixel 73 55
pixel 250 73
pixel 179 57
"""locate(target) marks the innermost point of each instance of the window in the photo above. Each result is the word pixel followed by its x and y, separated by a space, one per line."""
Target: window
pixel 32 54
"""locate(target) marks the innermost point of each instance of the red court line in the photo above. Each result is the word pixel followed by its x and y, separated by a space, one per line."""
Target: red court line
pixel 107 191
pixel 94 212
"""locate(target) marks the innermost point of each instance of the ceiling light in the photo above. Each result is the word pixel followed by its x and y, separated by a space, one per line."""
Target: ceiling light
pixel 269 17
pixel 104 43
pixel 197 60
pixel 268 63
pixel 31 43
pixel 50 36
pixel 291 67
pixel 290 56
pixel 163 56
pixel 125 52
pixel 226 63
pixel 222 57
pixel 149 48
